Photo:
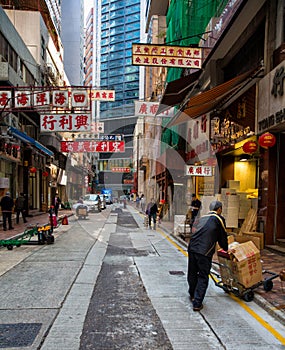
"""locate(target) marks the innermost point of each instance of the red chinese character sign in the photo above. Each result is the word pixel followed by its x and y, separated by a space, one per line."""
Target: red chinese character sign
pixel 5 99
pixel 166 56
pixel 65 122
pixel 198 170
pixel 93 146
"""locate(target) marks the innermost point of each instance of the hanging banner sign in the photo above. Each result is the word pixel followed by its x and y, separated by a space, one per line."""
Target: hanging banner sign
pixel 198 170
pixel 102 95
pixel 60 98
pixel 93 146
pixel 65 122
pixel 121 170
pixel 166 56
pixel 143 108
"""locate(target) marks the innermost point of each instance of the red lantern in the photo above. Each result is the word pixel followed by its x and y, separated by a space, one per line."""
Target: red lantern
pixel 249 147
pixel 45 173
pixel 267 140
pixel 33 170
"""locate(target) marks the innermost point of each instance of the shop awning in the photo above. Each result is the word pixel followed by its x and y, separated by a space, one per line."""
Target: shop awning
pixel 29 140
pixel 210 99
pixel 42 148
pixel 176 91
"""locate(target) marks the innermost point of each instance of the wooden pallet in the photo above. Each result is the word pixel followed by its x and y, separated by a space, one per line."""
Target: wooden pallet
pixel 250 222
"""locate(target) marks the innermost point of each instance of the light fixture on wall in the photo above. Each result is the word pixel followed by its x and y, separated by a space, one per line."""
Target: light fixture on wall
pixel 244 158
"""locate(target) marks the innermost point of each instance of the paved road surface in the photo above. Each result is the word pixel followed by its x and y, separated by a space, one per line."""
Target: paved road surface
pixel 109 283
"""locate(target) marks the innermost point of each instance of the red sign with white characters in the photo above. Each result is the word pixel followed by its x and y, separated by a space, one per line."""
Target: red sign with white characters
pixel 93 146
pixel 65 122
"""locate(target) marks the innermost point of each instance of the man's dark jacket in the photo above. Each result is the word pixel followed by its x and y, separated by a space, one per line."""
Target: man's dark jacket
pixel 207 231
pixel 7 204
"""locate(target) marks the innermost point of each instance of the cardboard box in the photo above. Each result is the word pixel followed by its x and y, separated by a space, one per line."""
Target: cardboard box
pixel 242 267
pixel 259 235
pixel 245 238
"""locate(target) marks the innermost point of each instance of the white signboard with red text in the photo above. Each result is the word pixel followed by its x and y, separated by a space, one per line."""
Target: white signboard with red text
pixel 166 56
pixel 65 122
pixel 93 146
pixel 198 170
pixel 149 109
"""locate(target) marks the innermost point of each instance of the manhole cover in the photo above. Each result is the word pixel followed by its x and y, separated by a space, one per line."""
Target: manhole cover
pixel 181 273
pixel 17 335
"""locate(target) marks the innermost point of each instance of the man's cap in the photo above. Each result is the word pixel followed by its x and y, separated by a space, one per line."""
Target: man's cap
pixel 7 193
pixel 215 205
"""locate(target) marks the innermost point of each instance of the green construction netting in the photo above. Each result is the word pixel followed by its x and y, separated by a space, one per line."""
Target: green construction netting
pixel 169 137
pixel 185 20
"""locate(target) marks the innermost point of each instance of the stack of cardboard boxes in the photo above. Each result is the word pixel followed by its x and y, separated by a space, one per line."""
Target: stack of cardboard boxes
pixel 241 268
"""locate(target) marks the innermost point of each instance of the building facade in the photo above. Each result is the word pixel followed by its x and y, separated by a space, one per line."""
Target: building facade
pixel 114 26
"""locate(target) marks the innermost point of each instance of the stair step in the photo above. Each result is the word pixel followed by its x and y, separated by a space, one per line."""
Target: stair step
pixel 281 242
pixel 276 249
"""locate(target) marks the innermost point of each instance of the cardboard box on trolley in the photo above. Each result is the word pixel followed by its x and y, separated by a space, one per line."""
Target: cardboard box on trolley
pixel 242 266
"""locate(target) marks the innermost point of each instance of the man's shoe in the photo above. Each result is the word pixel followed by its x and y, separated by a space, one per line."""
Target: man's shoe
pixel 4 229
pixel 11 228
pixel 25 221
pixel 198 308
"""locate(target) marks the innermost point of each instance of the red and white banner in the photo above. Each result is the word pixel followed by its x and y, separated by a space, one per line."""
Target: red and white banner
pixel 93 146
pixel 65 122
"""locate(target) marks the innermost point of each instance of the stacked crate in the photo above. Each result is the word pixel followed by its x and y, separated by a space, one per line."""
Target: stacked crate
pixel 244 205
pixel 230 200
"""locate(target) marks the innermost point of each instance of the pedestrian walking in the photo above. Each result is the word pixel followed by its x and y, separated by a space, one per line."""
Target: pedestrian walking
pixel 206 232
pixel 20 206
pixel 195 208
pixel 7 205
pixel 151 211
pixel 142 203
pixel 55 203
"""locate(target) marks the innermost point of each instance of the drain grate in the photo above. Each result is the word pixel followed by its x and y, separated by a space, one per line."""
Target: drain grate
pixel 15 335
pixel 180 273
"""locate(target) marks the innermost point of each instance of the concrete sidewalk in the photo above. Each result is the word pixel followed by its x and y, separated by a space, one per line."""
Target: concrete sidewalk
pixel 36 217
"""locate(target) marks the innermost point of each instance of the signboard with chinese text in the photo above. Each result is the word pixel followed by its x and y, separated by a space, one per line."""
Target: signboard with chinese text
pixel 166 56
pixel 143 108
pixel 22 99
pixel 102 95
pixel 198 145
pixel 65 122
pixel 93 146
pixel 5 99
pixel 198 170
pixel 121 170
pixel 271 101
pixel 58 99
